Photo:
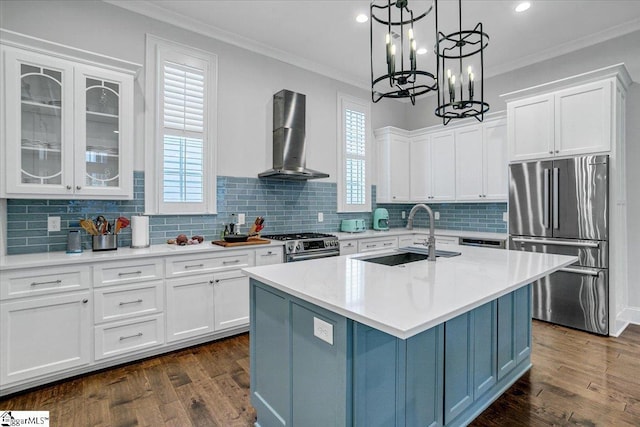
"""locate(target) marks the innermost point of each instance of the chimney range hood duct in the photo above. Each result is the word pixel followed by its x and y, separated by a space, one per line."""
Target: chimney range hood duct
pixel 289 157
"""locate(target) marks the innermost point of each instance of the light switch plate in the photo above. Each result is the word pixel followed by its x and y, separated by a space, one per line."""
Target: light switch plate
pixel 323 330
pixel 436 215
pixel 240 219
pixel 404 214
pixel 320 217
pixel 505 216
pixel 53 223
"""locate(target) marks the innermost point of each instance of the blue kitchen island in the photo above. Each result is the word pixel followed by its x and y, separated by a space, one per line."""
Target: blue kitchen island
pixel 345 342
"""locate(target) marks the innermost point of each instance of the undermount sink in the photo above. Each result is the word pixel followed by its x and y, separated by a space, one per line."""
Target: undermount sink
pixel 406 257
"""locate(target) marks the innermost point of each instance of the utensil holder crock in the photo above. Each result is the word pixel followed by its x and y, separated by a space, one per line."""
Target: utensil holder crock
pixel 105 242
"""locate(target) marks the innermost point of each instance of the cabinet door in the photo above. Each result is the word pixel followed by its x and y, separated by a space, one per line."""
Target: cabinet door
pixel 41 336
pixel 485 364
pixel 231 300
pixel 103 133
pixel 496 165
pixel 531 128
pixel 583 119
pixel 443 169
pixel 469 163
pixel 458 366
pixel 189 307
pixel 399 169
pixel 506 331
pixel 39 124
pixel 420 167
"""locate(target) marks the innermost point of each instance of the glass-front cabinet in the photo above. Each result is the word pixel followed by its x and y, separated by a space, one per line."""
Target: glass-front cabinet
pixel 72 133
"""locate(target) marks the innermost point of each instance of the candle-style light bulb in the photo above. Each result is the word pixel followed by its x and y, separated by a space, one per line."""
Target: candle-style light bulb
pixel 452 88
pixel 412 54
pixel 410 33
pixel 393 59
pixel 388 46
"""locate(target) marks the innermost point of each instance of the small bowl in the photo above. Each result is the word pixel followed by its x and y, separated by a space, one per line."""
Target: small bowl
pixel 234 238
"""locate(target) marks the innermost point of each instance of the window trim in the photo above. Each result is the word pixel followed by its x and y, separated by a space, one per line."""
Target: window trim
pixel 345 101
pixel 158 49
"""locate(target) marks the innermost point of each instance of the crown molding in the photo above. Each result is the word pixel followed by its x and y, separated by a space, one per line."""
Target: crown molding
pixel 153 10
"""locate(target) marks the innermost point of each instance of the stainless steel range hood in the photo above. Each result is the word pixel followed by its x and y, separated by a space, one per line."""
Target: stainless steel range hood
pixel 289 157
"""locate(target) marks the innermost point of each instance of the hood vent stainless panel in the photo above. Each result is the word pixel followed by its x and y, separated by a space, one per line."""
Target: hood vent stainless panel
pixel 289 157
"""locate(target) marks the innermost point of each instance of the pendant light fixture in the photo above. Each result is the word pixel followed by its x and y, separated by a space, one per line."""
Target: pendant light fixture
pixel 399 73
pixel 460 57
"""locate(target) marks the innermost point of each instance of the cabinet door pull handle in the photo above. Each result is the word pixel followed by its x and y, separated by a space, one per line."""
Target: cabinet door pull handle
pixel 194 266
pixel 84 301
pixel 139 334
pixel 52 282
pixel 78 187
pixel 235 261
pixel 68 187
pixel 139 300
pixel 127 273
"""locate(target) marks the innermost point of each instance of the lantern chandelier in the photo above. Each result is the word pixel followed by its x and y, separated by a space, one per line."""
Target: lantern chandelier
pixel 405 77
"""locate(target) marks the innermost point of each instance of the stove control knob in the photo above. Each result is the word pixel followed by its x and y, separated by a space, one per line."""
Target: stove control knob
pixel 290 247
pixel 297 247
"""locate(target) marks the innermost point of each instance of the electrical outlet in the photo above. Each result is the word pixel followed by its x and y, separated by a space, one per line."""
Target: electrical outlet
pixel 505 216
pixel 53 223
pixel 436 215
pixel 240 219
pixel 404 214
pixel 320 217
pixel 323 330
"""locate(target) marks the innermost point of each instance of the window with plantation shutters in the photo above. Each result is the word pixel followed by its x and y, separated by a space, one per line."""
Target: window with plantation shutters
pixel 354 184
pixel 180 166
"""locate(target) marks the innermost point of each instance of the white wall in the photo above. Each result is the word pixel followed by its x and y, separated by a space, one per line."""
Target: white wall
pixel 246 81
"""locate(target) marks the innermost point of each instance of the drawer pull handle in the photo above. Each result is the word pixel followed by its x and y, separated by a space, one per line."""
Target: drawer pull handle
pixel 371 246
pixel 225 278
pixel 235 261
pixel 128 273
pixel 268 254
pixel 139 334
pixel 52 282
pixel 139 300
pixel 388 244
pixel 194 266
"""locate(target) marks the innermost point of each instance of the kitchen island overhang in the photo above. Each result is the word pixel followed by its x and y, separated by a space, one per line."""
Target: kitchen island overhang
pixel 341 341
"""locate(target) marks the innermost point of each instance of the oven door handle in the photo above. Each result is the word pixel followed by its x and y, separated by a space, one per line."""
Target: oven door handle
pixel 314 256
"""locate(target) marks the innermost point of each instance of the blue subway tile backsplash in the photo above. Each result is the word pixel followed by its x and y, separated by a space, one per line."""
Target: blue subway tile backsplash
pixel 287 206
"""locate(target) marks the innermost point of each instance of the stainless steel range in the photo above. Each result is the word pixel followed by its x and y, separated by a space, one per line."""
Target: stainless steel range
pixel 303 246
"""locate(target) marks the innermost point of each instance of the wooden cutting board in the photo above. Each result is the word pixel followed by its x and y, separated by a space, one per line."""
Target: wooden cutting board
pixel 250 241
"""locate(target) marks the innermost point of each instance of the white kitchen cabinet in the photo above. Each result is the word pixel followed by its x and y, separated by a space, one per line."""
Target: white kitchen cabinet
pixel 231 300
pixel 124 302
pixel 189 307
pixel 121 338
pixel 393 160
pixel 566 122
pixel 43 336
pixel 431 166
pixel 269 255
pixel 481 162
pixel 69 128
pixel 377 243
pixel 43 281
pixel 348 247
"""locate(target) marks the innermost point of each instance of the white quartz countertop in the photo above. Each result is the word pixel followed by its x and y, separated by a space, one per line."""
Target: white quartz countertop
pixel 404 232
pixel 411 298
pixel 88 256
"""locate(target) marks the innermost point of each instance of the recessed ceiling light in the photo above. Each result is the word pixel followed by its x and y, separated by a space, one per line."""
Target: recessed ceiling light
pixel 421 51
pixel 523 6
pixel 362 18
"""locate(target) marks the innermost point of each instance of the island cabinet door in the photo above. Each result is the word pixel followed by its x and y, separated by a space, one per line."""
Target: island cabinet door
pixel 320 372
pixel 514 329
pixel 458 366
pixel 485 342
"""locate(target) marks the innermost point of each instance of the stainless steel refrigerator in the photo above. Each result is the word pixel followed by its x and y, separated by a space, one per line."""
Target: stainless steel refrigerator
pixel 561 207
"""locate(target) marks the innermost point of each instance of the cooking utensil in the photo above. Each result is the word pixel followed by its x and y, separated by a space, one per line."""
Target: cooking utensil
pixel 89 227
pixel 232 238
pixel 121 223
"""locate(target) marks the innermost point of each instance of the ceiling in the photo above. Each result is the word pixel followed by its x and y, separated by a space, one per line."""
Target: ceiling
pixel 323 36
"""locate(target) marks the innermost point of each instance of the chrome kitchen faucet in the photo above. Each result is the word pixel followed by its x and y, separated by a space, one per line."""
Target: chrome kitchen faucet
pixel 432 228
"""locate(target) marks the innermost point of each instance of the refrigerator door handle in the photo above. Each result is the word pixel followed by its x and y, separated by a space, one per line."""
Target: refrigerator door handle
pixel 583 271
pixel 556 198
pixel 557 243
pixel 545 205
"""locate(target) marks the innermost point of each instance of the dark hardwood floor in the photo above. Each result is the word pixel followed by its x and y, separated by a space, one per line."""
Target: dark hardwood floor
pixel 577 379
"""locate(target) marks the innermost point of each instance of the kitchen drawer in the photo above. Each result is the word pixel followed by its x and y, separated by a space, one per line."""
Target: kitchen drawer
pixel 377 244
pixel 42 281
pixel 118 338
pixel 187 265
pixel 348 247
pixel 446 240
pixel 123 272
pixel 122 302
pixel 269 255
